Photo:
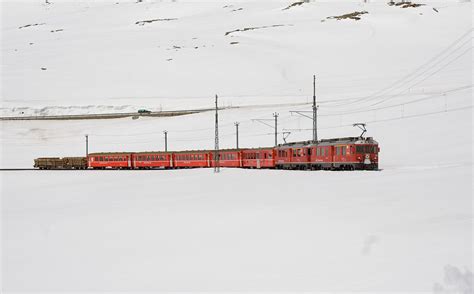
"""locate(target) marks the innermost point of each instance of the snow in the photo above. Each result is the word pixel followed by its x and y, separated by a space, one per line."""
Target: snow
pixel 406 228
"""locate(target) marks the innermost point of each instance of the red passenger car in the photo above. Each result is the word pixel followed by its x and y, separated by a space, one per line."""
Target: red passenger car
pixel 148 160
pixel 258 158
pixel 227 158
pixel 190 159
pixel 110 160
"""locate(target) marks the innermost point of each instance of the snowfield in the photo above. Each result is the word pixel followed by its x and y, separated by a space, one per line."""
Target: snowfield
pixel 406 72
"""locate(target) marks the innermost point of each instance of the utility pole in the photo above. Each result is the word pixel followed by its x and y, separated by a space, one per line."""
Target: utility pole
pixel 315 112
pixel 87 145
pixel 275 115
pixel 216 145
pixel 166 140
pixel 237 133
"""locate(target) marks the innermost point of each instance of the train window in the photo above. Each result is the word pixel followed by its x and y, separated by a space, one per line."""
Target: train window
pixel 343 150
pixel 270 155
pixel 360 149
pixel 309 151
pixel 318 151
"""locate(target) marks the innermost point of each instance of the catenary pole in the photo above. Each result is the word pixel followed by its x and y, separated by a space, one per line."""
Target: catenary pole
pixel 166 140
pixel 237 134
pixel 275 115
pixel 216 145
pixel 315 112
pixel 87 145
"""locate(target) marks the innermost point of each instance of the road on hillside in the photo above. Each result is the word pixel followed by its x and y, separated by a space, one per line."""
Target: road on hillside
pixel 105 115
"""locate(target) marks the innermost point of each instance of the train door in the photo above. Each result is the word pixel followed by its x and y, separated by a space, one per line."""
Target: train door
pixel 332 156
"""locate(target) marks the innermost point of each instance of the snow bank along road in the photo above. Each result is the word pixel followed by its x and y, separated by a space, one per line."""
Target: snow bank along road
pixel 103 115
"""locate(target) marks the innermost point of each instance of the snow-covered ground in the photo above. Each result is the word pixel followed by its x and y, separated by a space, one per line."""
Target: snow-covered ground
pixel 406 72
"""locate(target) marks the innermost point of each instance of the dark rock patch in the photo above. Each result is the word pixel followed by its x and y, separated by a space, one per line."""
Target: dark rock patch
pixel 143 22
pixel 293 5
pixel 353 15
pixel 405 4
pixel 254 28
pixel 31 25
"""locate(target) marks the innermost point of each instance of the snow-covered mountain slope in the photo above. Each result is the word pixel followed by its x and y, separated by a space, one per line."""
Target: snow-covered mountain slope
pixel 407 72
pixel 94 56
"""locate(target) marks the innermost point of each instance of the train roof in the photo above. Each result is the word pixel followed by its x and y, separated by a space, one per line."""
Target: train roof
pixel 323 142
pixel 332 141
pixel 110 153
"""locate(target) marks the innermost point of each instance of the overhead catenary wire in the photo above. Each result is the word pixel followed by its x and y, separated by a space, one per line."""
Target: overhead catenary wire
pixel 415 73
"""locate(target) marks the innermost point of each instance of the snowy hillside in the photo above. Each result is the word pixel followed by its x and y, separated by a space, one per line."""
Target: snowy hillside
pixel 94 56
pixel 406 72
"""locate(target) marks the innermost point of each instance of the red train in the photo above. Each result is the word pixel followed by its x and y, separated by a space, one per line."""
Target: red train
pixel 351 153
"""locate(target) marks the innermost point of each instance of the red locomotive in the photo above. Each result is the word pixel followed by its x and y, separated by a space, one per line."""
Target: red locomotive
pixel 351 153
